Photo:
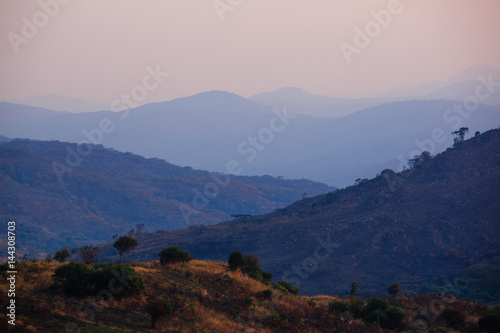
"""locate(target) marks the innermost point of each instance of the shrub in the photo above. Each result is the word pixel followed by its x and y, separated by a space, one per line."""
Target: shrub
pixel 395 317
pixel 80 280
pixel 337 306
pixel 235 260
pixel 394 289
pixel 158 308
pixel 376 316
pixel 491 321
pixel 376 303
pixel 267 294
pixel 356 307
pixel 453 318
pixel 288 287
pixel 62 255
pixel 173 254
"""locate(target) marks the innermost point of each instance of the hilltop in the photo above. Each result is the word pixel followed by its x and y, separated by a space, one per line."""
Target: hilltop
pixel 423 227
pixel 206 297
pixel 107 192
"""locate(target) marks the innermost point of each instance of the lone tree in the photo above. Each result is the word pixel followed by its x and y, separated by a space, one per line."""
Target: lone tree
pixel 158 308
pixel 235 260
pixel 174 254
pixel 62 255
pixel 354 287
pixel 88 254
pixel 394 289
pixel 124 244
pixel 459 135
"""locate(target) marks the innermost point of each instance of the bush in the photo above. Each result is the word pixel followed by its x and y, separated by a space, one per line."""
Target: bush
pixel 62 255
pixel 395 317
pixel 453 318
pixel 491 321
pixel 356 307
pixel 337 306
pixel 80 280
pixel 376 316
pixel 287 287
pixel 267 294
pixel 376 303
pixel 235 260
pixel 158 308
pixel 378 311
pixel 173 254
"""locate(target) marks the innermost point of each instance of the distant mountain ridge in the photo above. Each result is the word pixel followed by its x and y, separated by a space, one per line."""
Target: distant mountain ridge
pixel 107 192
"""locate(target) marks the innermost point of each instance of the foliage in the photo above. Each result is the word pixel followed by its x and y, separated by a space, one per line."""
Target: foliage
pixel 453 318
pixel 354 287
pixel 491 321
pixel 337 306
pixel 173 254
pixel 62 255
pixel 158 308
pixel 235 260
pixel 88 254
pixel 394 288
pixel 287 287
pixel 80 280
pixel 378 311
pixel 124 244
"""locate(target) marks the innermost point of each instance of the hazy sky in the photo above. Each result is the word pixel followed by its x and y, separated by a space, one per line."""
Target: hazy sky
pixel 97 50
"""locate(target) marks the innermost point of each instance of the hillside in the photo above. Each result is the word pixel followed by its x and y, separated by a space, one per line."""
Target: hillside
pixel 108 192
pixel 422 227
pixel 206 297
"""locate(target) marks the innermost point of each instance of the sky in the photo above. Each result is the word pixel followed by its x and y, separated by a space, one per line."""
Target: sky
pixel 98 50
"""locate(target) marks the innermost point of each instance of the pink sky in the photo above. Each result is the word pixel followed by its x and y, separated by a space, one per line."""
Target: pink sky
pixel 96 50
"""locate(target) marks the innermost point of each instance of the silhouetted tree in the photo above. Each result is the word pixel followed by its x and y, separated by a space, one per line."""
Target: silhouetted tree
pixel 459 135
pixel 394 289
pixel 88 254
pixel 115 236
pixel 124 244
pixel 139 227
pixel 354 287
pixel 235 260
pixel 62 255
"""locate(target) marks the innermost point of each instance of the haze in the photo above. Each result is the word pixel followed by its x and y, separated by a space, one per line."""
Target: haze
pixel 97 50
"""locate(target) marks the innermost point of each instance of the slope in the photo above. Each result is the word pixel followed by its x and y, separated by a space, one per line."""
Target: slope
pixel 420 227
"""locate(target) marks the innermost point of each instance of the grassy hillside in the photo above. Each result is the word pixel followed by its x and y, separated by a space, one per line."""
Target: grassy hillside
pixel 206 297
pixel 423 227
pixel 107 192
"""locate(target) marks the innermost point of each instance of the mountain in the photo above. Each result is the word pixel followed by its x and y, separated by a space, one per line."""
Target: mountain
pixel 298 101
pixel 208 130
pixel 61 194
pixel 60 103
pixel 422 227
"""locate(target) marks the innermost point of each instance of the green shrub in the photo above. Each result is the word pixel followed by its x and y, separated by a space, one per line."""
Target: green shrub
pixel 235 260
pixel 376 303
pixel 376 316
pixel 80 280
pixel 173 254
pixel 395 317
pixel 337 306
pixel 356 307
pixel 287 287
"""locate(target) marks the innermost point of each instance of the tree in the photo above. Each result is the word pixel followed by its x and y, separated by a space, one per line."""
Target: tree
pixel 418 160
pixel 158 308
pixel 287 286
pixel 235 260
pixel 124 244
pixel 394 288
pixel 139 227
pixel 115 236
pixel 354 287
pixel 459 135
pixel 174 254
pixel 88 254
pixel 62 255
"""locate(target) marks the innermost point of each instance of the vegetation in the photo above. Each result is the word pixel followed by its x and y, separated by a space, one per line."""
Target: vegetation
pixel 491 321
pixel 173 254
pixel 288 287
pixel 394 289
pixel 80 280
pixel 62 255
pixel 248 264
pixel 88 253
pixel 124 244
pixel 212 299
